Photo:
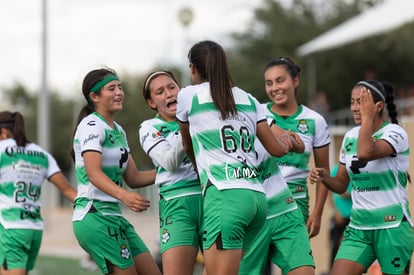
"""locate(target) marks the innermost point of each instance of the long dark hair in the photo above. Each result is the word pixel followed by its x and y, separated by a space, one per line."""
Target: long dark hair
pixel 210 60
pixel 88 83
pixel 14 122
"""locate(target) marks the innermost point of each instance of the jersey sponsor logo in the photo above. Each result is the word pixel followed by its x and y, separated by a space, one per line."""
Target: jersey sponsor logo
pixel 144 138
pixel 26 168
pixel 367 189
pixel 328 135
pixel 288 164
pixel 89 138
pixel 360 178
pixel 396 136
pixel 266 176
pixel 303 126
pixel 235 117
pixel 14 151
pixel 240 172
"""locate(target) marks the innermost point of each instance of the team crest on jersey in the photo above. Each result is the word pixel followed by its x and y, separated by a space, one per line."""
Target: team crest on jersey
pixel 125 252
pixel 165 236
pixel 303 126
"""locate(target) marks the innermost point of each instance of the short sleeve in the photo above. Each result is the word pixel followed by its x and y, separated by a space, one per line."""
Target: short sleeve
pixel 90 135
pixel 183 105
pixel 397 137
pixel 149 137
pixel 261 115
pixel 53 166
pixel 322 136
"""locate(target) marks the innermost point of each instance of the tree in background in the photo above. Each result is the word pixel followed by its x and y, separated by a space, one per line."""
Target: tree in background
pixel 63 114
pixel 278 30
pixel 61 118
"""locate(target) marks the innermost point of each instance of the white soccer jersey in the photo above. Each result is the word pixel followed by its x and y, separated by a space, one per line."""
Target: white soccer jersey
pixel 313 130
pixel 279 197
pixel 94 134
pixel 22 173
pixel 224 149
pixel 183 180
pixel 379 196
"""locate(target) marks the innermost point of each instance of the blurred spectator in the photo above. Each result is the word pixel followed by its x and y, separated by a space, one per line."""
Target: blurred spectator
pixel 321 104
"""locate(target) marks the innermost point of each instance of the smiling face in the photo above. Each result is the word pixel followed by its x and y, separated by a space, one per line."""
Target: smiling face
pixel 163 96
pixel 110 98
pixel 356 104
pixel 280 86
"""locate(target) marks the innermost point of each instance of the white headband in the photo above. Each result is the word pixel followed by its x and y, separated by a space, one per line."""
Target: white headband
pixel 373 88
pixel 151 76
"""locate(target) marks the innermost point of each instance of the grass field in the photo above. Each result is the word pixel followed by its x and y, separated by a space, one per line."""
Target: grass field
pixel 46 265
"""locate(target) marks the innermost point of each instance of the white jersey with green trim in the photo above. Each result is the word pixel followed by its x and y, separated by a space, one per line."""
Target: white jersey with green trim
pixel 313 130
pixel 379 195
pixel 224 149
pixel 23 171
pixel 94 134
pixel 279 197
pixel 183 180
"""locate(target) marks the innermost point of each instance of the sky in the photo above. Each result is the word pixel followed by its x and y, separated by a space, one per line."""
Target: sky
pixel 130 36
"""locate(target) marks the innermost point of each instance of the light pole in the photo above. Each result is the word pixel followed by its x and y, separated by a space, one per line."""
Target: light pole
pixel 49 194
pixel 43 122
pixel 185 16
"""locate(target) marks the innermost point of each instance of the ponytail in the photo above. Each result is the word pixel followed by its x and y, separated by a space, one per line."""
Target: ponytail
pixel 210 60
pixel 19 133
pixel 84 112
pixel 14 122
pixel 391 108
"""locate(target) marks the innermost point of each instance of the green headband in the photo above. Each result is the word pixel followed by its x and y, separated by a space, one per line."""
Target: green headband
pixel 99 85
